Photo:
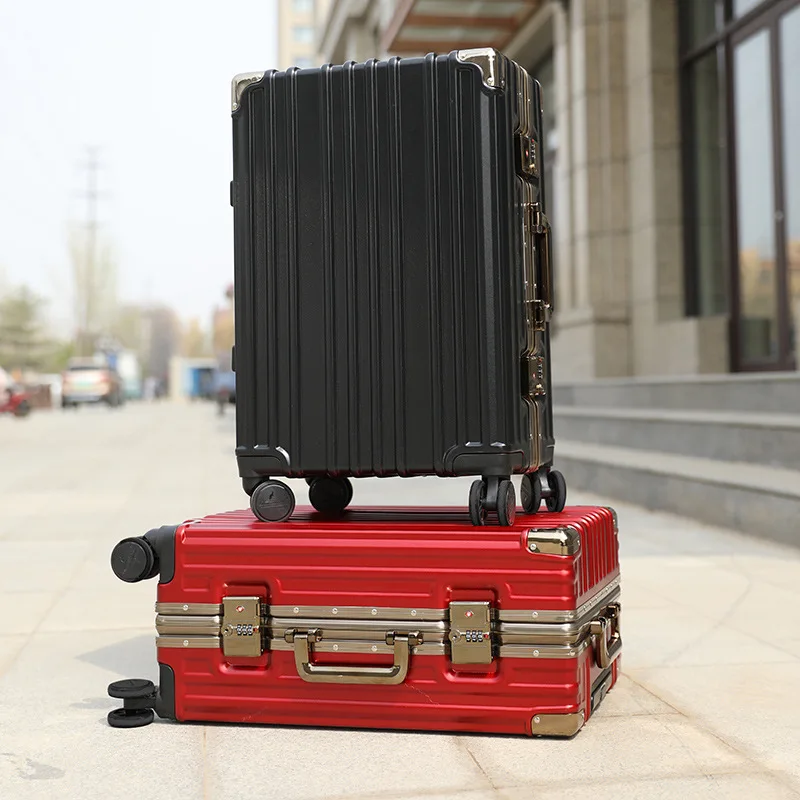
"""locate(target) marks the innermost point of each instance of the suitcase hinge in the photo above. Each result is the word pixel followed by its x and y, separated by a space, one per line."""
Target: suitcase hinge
pixel 242 631
pixel 471 633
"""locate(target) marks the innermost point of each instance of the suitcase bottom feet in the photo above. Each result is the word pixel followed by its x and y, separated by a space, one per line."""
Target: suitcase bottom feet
pixel 139 697
pixel 492 494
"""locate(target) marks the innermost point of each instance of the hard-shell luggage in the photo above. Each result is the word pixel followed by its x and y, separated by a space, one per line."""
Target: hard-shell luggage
pixel 396 618
pixel 392 280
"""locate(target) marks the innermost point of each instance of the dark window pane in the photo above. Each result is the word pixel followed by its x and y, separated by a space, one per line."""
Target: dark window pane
pixel 706 186
pixel 701 20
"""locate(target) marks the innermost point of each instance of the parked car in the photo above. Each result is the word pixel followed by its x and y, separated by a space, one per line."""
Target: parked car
pixel 86 380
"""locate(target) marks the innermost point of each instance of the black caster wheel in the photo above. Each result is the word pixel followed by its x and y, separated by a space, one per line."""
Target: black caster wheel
pixel 133 560
pixel 506 503
pixel 135 718
pixel 477 498
pixel 558 491
pixel 531 492
pixel 330 495
pixel 349 484
pixel 272 501
pixel 132 689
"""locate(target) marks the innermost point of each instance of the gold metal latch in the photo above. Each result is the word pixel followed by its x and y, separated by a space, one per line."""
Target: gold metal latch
pixel 526 154
pixel 241 627
pixel 470 632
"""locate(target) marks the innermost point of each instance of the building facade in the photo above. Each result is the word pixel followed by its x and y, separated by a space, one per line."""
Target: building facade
pixel 674 188
pixel 298 24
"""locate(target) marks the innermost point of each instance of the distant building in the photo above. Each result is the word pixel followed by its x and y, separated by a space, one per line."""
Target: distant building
pixel 298 24
pixel 222 331
pixel 162 340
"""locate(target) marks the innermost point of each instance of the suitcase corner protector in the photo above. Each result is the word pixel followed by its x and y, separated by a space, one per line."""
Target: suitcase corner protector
pixel 239 83
pixel 490 62
pixel 562 725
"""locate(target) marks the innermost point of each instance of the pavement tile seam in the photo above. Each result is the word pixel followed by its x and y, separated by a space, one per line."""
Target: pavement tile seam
pixel 758 766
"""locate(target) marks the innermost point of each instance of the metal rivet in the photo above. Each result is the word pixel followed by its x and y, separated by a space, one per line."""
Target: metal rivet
pixel 185 642
pixel 535 614
pixel 532 547
pixel 572 652
pixel 185 606
pixel 336 647
pixel 413 612
pixel 335 610
pixel 374 611
pixel 296 610
pixel 374 648
pixel 536 652
pixel 536 720
pixel 570 615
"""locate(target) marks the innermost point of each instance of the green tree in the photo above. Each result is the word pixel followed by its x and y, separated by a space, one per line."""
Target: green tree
pixel 23 344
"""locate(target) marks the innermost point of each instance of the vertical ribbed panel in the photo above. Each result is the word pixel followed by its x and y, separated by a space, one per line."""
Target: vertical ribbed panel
pixel 378 275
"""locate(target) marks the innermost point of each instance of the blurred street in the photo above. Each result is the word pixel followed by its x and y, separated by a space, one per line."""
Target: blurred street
pixel 708 705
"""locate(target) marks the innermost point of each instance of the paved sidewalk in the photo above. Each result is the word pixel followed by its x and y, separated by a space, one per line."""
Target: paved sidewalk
pixel 709 705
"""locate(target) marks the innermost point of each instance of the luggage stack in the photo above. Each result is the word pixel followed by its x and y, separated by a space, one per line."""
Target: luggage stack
pixel 393 292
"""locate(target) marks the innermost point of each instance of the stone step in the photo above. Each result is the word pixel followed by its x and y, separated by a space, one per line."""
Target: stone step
pixel 770 439
pixel 774 392
pixel 757 500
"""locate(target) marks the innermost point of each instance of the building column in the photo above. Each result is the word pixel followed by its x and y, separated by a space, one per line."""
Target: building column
pixel 592 318
pixel 664 341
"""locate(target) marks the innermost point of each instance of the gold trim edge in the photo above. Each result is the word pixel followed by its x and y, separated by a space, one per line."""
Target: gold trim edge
pixel 392 614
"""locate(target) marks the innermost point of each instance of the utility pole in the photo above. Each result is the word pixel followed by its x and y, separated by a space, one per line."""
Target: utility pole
pixel 86 277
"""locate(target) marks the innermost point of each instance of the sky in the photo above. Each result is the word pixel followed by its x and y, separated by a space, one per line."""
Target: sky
pixel 148 84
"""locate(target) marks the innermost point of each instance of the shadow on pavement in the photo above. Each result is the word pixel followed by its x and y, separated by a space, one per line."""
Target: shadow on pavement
pixel 132 658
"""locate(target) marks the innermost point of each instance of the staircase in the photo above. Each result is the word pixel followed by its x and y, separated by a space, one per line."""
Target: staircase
pixel 723 449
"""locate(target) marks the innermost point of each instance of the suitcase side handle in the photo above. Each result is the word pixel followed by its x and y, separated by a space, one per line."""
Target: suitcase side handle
pixel 333 673
pixel 607 649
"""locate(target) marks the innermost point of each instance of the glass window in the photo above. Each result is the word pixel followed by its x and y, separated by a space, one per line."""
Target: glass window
pixel 303 34
pixel 706 158
pixel 790 80
pixel 303 6
pixel 758 328
pixel 743 6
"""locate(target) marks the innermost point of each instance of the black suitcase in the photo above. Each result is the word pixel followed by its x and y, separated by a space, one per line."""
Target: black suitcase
pixel 392 281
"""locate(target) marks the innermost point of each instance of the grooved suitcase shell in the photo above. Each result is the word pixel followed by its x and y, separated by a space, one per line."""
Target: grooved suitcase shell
pixel 378 272
pixel 389 558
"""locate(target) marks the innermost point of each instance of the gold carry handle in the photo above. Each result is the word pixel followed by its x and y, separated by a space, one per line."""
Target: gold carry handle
pixel 331 673
pixel 606 650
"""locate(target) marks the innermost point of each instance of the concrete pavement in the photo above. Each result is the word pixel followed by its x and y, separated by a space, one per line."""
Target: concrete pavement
pixel 708 706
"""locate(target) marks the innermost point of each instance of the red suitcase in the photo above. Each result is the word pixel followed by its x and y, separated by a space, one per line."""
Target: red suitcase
pixel 383 618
